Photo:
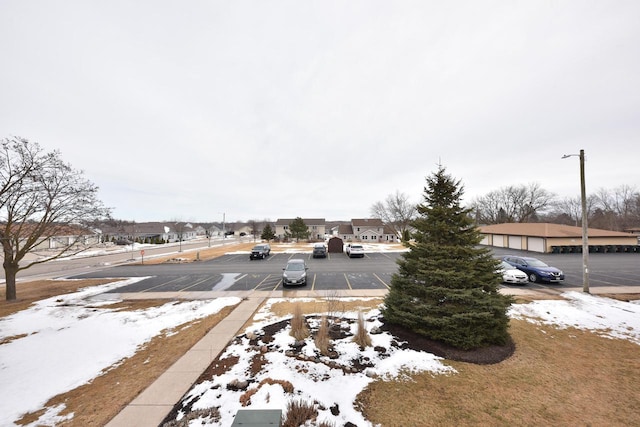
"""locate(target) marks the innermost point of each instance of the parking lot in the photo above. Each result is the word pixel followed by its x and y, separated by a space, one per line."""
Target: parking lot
pixel 338 272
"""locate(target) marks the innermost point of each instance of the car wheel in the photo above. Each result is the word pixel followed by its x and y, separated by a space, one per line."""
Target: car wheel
pixel 533 277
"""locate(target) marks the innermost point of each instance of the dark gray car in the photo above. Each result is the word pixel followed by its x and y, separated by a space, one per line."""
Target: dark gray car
pixel 319 250
pixel 260 251
pixel 295 273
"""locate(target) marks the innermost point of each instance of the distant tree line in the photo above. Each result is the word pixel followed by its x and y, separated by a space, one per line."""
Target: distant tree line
pixel 615 209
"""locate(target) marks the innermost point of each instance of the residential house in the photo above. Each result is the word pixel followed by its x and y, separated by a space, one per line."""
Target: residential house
pixel 150 231
pixel 371 230
pixel 316 228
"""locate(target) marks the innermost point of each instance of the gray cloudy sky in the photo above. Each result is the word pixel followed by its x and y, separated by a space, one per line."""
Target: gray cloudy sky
pixel 277 109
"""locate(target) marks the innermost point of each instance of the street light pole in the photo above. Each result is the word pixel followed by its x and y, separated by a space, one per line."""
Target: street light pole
pixel 585 234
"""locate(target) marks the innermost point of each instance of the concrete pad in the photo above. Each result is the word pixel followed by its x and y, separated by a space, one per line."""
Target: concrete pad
pixel 166 390
pixel 194 361
pixel 213 343
pixel 140 416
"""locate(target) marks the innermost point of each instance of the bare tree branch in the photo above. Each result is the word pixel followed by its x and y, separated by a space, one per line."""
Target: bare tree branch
pixel 41 199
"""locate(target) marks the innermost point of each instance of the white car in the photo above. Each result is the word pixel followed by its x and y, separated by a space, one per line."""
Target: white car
pixel 510 274
pixel 354 251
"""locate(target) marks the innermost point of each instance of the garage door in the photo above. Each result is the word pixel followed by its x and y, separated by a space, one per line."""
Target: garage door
pixel 536 244
pixel 515 242
pixel 498 240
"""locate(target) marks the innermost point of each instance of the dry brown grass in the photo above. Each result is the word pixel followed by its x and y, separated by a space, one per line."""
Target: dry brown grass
pixel 298 413
pixel 201 254
pixel 556 377
pixel 362 337
pixel 319 305
pixel 322 339
pixel 299 328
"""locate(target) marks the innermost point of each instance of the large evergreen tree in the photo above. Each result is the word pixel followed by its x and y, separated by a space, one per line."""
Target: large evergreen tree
pixel 299 229
pixel 446 287
pixel 267 233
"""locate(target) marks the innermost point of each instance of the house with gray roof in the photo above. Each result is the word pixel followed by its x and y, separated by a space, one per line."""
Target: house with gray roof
pixel 316 228
pixel 368 230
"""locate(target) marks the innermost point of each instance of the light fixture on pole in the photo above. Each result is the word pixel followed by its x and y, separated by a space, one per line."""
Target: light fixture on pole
pixel 585 234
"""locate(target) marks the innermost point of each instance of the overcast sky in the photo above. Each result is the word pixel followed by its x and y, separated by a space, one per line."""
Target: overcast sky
pixel 318 109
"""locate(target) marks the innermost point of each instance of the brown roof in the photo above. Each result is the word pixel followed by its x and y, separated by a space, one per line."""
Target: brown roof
pixel 345 229
pixel 367 222
pixel 545 229
pixel 307 221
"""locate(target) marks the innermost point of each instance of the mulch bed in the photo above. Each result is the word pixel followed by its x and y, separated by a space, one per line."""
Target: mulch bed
pixel 482 356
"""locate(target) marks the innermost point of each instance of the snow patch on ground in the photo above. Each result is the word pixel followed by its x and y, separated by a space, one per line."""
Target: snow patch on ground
pixel 63 342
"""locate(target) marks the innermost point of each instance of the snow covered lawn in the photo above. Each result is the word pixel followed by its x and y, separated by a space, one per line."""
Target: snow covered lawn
pixel 63 342
pixel 334 389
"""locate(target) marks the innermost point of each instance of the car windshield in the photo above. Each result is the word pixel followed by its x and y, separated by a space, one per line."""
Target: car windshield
pixel 356 246
pixel 533 262
pixel 295 266
pixel 506 266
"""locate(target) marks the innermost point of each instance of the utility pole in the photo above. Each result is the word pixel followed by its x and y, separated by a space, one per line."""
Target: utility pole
pixel 585 228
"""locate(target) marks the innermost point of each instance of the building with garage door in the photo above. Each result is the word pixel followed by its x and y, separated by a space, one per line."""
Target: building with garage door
pixel 555 238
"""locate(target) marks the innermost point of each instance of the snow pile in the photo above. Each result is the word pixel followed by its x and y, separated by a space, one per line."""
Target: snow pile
pixel 63 342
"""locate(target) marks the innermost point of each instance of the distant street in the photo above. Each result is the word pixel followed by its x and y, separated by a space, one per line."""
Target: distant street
pixel 116 255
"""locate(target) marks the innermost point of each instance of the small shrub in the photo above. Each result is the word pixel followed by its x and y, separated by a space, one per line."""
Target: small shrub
pixel 245 399
pixel 286 385
pixel 298 413
pixel 335 306
pixel 362 337
pixel 210 414
pixel 299 328
pixel 322 340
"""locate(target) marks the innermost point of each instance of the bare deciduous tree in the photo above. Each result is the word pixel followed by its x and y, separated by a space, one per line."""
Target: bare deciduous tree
pixel 41 198
pixel 396 211
pixel 617 209
pixel 569 211
pixel 521 203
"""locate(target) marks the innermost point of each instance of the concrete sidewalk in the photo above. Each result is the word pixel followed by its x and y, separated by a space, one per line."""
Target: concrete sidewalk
pixel 155 403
